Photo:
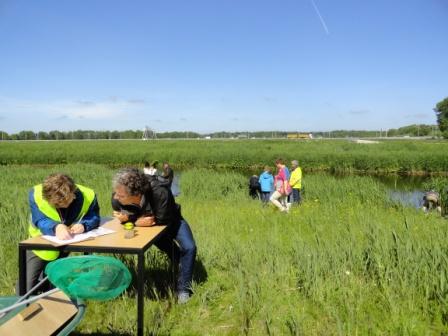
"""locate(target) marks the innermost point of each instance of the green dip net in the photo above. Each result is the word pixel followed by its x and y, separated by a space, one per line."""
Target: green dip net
pixel 89 277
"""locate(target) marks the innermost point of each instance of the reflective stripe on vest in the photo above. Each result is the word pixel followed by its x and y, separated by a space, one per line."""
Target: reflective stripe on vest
pixel 51 212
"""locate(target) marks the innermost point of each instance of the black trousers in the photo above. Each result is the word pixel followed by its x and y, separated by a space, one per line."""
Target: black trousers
pixel 35 267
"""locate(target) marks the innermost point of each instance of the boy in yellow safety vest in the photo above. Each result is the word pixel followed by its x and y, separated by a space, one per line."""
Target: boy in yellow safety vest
pixel 60 208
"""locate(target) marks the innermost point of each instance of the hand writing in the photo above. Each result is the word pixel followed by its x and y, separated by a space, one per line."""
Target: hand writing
pixel 77 228
pixel 62 232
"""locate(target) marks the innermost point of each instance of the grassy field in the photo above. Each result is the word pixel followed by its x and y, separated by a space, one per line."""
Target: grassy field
pixel 347 262
pixel 411 157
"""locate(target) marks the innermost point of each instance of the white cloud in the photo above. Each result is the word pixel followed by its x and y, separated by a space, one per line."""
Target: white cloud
pixel 110 113
pixel 136 101
pixel 94 111
pixel 81 109
pixel 418 116
pixel 360 112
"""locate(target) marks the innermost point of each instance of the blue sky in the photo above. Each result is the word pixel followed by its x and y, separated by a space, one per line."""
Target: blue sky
pixel 212 65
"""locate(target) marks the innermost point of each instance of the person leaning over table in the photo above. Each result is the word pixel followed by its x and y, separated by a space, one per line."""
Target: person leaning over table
pixel 145 201
pixel 60 208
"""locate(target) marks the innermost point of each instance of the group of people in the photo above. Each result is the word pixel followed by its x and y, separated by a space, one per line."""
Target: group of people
pixel 62 208
pixel 282 190
pixel 167 172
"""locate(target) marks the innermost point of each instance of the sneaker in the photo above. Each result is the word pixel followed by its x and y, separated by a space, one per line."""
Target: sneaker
pixel 183 297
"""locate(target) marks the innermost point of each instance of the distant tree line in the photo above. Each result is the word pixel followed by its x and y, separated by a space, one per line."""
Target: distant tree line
pixel 91 135
pixel 411 130
pixel 417 130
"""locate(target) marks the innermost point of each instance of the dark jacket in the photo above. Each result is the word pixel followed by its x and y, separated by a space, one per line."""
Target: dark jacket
pixel 159 202
pixel 168 174
pixel 253 183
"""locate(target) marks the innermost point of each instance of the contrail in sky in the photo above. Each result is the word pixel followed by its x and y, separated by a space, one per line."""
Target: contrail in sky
pixel 320 17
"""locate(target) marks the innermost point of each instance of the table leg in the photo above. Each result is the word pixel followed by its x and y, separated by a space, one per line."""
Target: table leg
pixel 140 292
pixel 22 270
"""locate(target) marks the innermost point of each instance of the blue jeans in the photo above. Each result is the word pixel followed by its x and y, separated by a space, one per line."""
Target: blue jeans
pixel 265 196
pixel 296 196
pixel 182 251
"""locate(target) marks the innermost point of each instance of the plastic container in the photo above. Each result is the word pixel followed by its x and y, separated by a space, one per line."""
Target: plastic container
pixel 129 231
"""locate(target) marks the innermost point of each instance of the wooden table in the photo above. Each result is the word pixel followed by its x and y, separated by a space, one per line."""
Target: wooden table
pixel 110 243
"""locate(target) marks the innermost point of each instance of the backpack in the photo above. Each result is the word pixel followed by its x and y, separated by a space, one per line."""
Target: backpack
pixel 157 182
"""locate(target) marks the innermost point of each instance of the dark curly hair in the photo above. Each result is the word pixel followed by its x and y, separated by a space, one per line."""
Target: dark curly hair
pixel 134 180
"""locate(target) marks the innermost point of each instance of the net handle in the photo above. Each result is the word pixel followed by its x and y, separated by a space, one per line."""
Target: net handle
pixel 27 294
pixel 34 298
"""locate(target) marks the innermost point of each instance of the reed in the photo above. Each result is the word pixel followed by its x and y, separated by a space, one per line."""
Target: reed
pixel 346 262
pixel 405 157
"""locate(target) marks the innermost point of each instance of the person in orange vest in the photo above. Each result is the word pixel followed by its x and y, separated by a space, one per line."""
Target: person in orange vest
pixel 60 208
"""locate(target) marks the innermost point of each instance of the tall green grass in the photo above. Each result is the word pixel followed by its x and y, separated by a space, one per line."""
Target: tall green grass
pixel 346 262
pixel 337 155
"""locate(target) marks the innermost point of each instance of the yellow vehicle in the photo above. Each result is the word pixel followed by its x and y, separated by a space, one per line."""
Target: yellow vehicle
pixel 299 136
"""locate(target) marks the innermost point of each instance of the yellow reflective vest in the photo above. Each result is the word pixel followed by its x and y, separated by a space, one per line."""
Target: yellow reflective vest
pixel 50 211
pixel 296 178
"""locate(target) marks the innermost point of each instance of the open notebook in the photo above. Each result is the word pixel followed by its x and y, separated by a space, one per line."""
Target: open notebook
pixel 101 231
